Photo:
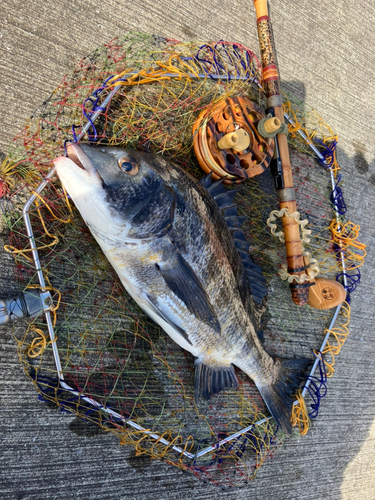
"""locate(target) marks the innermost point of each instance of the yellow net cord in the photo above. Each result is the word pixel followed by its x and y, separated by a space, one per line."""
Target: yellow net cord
pixel 176 67
pixel 11 172
pixel 345 235
pixel 338 335
pixel 312 125
pixel 300 415
pixel 15 251
pixel 39 344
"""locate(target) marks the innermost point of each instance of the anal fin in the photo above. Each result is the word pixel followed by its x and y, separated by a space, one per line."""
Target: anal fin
pixel 213 379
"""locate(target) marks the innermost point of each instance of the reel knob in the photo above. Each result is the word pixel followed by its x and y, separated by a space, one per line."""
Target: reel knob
pixel 227 142
pixel 238 140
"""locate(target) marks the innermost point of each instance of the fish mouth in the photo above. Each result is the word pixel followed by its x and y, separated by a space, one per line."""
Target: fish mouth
pixel 80 158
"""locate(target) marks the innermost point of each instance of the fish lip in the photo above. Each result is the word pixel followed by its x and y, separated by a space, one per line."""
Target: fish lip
pixel 80 158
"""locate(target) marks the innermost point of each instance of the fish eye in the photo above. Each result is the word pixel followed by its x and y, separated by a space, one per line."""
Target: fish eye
pixel 128 165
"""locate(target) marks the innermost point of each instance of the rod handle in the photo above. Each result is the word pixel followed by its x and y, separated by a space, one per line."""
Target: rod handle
pixel 26 305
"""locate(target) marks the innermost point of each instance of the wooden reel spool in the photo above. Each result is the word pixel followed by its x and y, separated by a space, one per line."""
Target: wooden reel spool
pixel 227 142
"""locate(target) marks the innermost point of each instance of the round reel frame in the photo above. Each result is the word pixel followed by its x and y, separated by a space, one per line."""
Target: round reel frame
pixel 228 116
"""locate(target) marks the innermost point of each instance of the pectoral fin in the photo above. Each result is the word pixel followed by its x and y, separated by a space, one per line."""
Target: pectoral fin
pixel 184 283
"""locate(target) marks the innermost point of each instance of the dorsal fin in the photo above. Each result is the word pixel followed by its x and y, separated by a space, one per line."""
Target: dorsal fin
pixel 238 235
pixel 224 198
pixel 246 258
pixel 254 274
pixel 258 290
pixel 229 211
pixel 234 221
pixel 257 282
pixel 216 188
pixel 240 242
pixel 206 180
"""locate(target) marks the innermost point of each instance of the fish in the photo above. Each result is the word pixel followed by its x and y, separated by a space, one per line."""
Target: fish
pixel 176 245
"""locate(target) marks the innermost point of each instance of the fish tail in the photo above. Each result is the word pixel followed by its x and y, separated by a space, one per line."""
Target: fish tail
pixel 279 395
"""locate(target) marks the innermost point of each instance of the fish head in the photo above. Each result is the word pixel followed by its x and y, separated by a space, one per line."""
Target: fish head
pixel 121 194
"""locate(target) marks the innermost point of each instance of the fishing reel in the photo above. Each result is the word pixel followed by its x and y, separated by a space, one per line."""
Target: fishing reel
pixel 227 142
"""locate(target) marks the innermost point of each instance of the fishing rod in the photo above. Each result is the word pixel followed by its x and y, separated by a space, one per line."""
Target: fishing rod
pixel 320 293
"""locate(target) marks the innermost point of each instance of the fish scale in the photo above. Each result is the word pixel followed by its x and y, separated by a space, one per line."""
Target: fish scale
pixel 174 243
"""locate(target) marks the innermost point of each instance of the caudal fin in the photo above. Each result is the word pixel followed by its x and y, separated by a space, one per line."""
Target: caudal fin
pixel 279 396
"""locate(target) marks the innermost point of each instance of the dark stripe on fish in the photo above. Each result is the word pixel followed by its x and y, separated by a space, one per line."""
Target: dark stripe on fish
pixel 155 217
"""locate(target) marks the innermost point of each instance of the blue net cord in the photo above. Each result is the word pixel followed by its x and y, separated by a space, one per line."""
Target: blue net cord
pixel 328 153
pixel 317 387
pixel 91 104
pixel 209 62
pixel 352 280
pixel 50 391
pixel 95 106
pixel 337 198
pixel 212 67
pixel 339 205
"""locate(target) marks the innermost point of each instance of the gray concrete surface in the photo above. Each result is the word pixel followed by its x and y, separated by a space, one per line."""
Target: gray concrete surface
pixel 326 55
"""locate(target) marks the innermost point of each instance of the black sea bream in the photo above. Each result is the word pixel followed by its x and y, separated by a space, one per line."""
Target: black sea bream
pixel 167 237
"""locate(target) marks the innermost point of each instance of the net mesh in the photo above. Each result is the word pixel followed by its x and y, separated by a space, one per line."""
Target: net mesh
pixel 109 350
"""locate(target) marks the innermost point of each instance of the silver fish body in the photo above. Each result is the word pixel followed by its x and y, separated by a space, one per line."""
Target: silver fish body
pixel 169 242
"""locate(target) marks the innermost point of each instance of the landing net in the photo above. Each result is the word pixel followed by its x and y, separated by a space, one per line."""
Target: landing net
pixel 109 350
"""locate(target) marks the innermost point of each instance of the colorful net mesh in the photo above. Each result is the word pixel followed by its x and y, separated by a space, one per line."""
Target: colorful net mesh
pixel 109 350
